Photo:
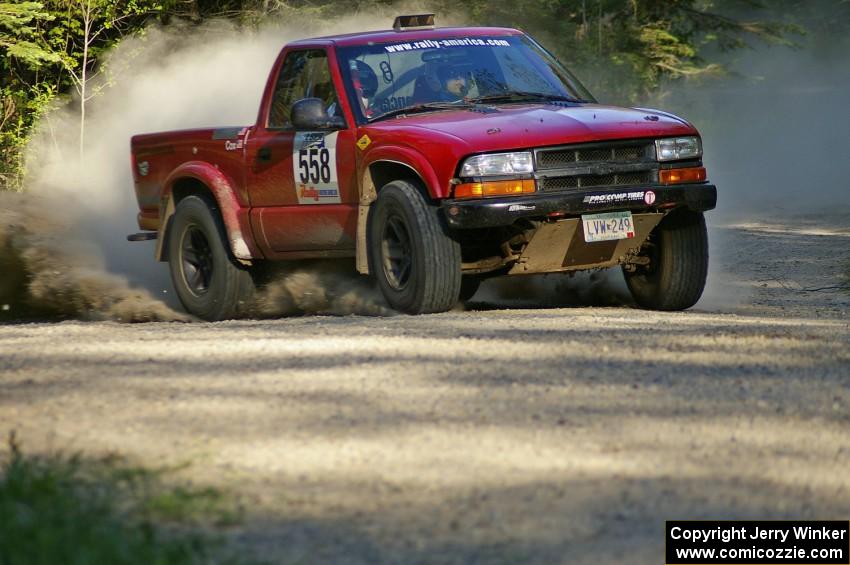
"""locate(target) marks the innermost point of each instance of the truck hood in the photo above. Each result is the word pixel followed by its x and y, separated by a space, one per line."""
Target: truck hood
pixel 514 126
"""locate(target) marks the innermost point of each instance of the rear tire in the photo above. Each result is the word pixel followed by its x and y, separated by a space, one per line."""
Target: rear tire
pixel 412 256
pixel 209 282
pixel 678 252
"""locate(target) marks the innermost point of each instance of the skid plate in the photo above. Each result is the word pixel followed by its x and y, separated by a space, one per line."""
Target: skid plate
pixel 560 246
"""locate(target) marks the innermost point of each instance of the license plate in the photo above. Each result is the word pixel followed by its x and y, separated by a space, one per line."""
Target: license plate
pixel 608 226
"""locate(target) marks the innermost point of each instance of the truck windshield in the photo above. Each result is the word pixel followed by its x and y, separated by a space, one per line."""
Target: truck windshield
pixel 384 79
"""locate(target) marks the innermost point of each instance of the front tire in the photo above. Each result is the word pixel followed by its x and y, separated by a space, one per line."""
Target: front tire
pixel 678 264
pixel 208 281
pixel 415 261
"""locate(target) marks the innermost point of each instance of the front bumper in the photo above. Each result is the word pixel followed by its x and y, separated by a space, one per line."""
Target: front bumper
pixel 494 212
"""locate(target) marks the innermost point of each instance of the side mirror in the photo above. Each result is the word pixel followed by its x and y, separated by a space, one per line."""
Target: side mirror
pixel 310 114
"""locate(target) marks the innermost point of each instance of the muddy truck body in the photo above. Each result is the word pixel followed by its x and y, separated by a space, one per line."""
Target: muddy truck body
pixel 435 157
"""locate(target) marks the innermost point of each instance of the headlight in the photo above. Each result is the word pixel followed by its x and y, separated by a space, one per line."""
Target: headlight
pixel 497 164
pixel 678 148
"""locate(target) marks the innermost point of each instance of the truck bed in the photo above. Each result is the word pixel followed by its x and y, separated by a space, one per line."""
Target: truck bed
pixel 156 157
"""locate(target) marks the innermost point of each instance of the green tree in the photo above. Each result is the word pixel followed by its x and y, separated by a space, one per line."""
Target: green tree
pixel 23 100
pixel 17 32
pixel 89 28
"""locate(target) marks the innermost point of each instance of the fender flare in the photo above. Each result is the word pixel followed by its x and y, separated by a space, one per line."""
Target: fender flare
pixel 406 157
pixel 222 190
pixel 368 192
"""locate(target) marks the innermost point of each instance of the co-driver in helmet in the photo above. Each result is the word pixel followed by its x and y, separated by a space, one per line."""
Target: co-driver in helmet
pixel 365 83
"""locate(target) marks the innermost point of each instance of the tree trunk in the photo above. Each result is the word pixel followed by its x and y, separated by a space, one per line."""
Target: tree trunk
pixel 87 21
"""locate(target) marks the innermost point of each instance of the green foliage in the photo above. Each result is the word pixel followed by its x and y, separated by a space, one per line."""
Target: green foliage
pixel 17 30
pixel 23 53
pixel 72 510
pixel 22 107
pixel 87 28
pixel 52 48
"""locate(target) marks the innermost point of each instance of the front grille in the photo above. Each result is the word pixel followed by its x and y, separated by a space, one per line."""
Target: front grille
pixel 582 155
pixel 619 163
pixel 550 184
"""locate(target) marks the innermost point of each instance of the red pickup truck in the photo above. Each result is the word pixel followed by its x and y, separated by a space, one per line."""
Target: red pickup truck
pixel 435 157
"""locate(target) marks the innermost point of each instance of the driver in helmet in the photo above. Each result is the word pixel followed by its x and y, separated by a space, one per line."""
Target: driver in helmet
pixel 453 82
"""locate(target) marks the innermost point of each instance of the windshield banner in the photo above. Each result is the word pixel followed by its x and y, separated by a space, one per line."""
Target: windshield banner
pixel 454 42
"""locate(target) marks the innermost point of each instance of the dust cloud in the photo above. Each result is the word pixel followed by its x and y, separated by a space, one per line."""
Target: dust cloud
pixel 321 287
pixel 48 275
pixel 775 135
pixel 63 248
pixel 555 290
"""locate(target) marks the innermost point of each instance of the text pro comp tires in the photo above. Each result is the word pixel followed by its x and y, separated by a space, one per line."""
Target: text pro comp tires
pixel 207 279
pixel 415 261
pixel 678 266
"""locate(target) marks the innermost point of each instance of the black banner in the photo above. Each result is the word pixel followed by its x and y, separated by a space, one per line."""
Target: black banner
pixel 757 542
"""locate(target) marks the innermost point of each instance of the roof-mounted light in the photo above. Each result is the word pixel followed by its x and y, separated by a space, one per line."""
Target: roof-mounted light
pixel 414 21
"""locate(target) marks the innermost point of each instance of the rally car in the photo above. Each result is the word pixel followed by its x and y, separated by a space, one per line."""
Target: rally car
pixel 435 157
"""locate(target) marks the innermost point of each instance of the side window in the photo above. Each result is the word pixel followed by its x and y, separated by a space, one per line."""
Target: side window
pixel 304 74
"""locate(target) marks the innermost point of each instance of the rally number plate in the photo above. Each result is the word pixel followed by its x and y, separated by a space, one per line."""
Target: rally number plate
pixel 605 227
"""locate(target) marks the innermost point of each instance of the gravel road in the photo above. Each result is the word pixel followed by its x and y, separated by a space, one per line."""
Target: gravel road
pixel 513 431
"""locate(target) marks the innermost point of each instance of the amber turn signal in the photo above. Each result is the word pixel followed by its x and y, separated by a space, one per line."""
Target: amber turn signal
pixel 672 176
pixel 494 188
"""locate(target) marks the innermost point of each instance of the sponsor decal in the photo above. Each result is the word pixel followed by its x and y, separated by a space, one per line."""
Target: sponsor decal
pixel 440 43
pixel 521 208
pixel 393 103
pixel 363 142
pixel 307 193
pixel 615 197
pixel 144 168
pixel 649 198
pixel 314 167
pixel 387 72
pixel 234 137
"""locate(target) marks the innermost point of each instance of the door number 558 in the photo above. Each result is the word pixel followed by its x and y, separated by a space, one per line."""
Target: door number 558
pixel 314 165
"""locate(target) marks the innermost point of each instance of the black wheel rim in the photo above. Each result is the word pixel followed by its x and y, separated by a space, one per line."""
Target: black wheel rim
pixel 397 252
pixel 196 260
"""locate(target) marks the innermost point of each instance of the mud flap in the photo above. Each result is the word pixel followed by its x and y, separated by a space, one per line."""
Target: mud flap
pixel 560 246
pixel 167 212
pixel 362 249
